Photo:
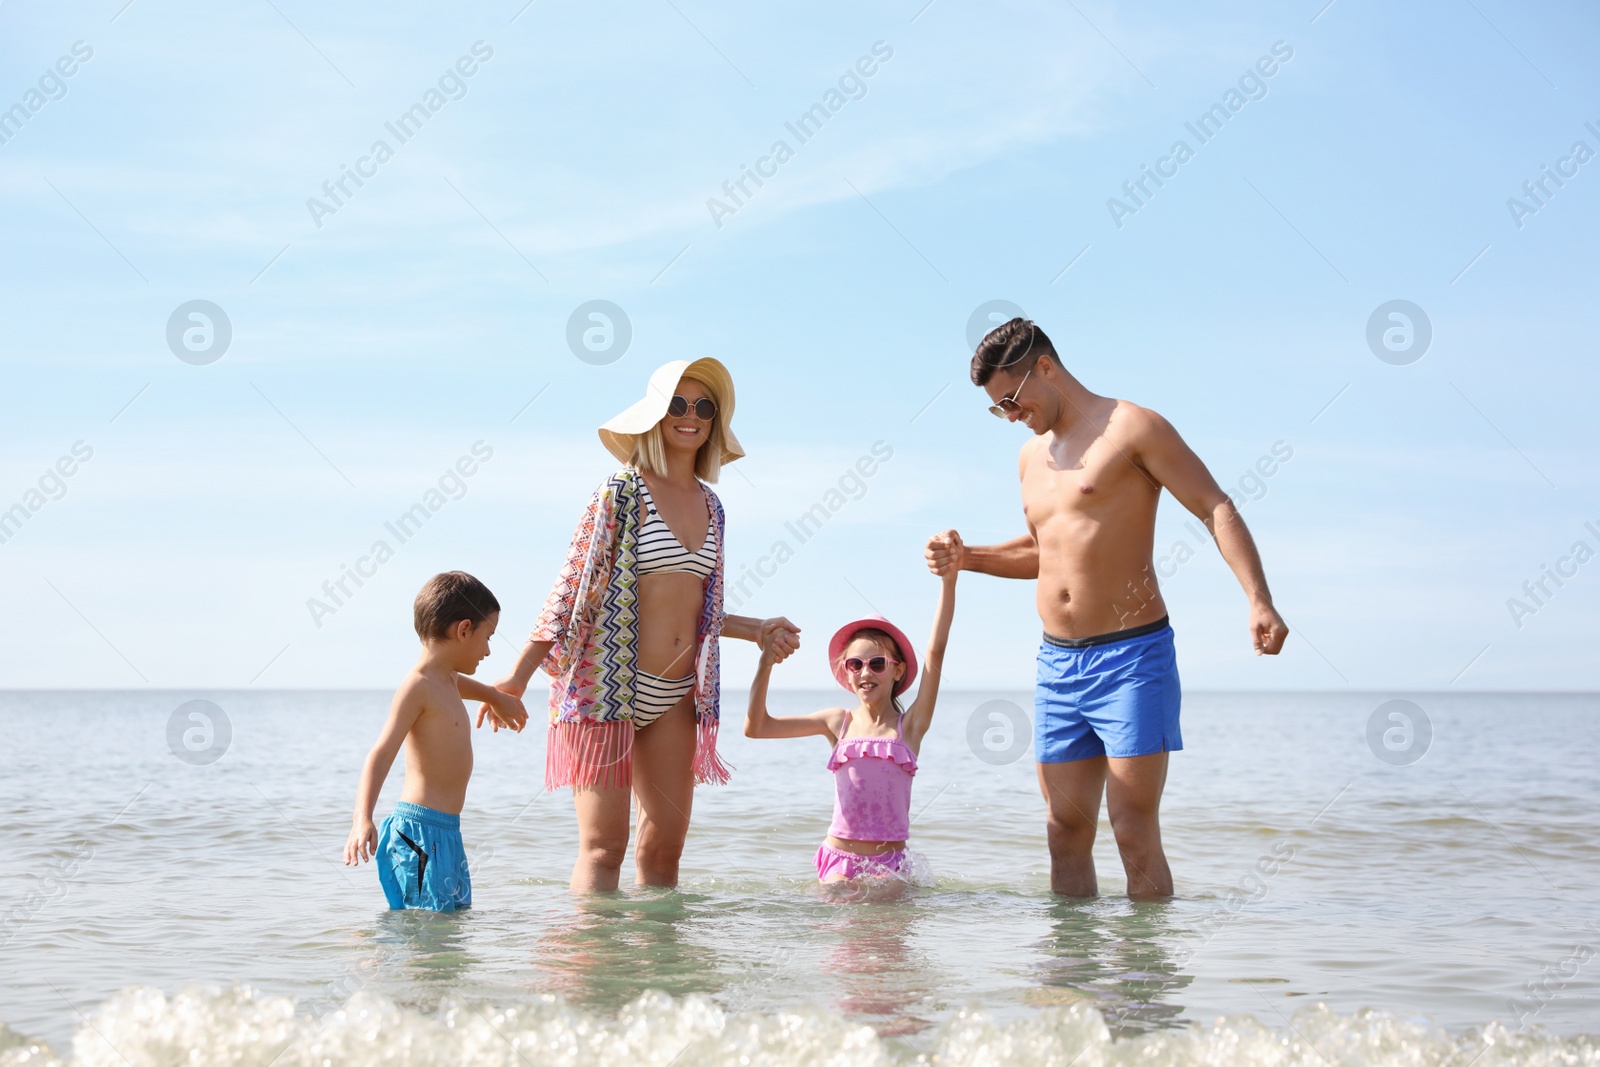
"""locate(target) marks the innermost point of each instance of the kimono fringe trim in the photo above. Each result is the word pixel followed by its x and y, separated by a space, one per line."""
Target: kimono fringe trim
pixel 586 753
pixel 708 766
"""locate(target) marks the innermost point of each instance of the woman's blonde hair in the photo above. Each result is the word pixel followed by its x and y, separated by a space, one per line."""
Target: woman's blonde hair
pixel 650 451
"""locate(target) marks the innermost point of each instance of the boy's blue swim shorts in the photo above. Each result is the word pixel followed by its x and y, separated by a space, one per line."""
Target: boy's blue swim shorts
pixel 1113 695
pixel 421 862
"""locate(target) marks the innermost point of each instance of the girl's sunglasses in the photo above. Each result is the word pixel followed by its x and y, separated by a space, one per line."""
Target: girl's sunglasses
pixel 877 664
pixel 704 409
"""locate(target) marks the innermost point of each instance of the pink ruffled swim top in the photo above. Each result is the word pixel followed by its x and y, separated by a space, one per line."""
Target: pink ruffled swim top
pixel 872 788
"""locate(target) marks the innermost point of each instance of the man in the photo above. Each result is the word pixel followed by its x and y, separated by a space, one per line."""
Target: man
pixel 1106 706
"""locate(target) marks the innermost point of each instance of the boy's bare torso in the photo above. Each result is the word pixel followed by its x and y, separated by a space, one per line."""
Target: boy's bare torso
pixel 439 745
pixel 1091 508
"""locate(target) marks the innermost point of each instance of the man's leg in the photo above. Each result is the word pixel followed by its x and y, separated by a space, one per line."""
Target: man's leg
pixel 1133 800
pixel 1072 801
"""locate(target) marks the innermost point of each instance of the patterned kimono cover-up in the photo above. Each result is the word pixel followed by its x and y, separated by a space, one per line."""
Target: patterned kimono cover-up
pixel 591 618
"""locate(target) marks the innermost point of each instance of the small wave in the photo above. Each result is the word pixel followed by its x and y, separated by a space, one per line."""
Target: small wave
pixel 141 1027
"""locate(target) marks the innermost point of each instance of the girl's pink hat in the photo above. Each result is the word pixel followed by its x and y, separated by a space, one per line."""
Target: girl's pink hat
pixel 841 638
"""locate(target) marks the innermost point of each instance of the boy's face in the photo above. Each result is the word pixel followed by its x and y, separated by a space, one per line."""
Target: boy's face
pixel 471 643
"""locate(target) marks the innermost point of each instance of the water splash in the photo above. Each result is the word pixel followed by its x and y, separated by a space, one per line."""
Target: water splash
pixel 141 1027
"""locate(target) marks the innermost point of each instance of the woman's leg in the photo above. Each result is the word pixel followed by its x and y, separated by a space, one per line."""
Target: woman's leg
pixel 602 836
pixel 663 782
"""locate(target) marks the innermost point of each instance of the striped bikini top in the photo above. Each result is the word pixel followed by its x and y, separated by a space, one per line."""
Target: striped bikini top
pixel 660 552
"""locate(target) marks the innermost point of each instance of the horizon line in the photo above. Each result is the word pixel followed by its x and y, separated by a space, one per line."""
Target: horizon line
pixel 947 690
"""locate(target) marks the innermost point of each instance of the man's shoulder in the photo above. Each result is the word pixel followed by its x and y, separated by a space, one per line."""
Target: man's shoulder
pixel 1133 421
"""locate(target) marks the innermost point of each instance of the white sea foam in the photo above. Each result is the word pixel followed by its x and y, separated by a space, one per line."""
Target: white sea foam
pixel 140 1027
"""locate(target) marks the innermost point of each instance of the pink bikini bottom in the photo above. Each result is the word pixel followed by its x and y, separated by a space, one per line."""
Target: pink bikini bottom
pixel 833 862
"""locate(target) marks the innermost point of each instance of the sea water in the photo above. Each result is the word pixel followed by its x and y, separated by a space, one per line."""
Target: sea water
pixel 1352 888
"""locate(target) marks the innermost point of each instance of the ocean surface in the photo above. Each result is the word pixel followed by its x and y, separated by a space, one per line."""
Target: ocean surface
pixel 1359 881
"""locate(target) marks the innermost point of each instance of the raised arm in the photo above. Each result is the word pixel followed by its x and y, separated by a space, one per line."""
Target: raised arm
pixel 758 723
pixel 920 716
pixel 1171 461
pixel 403 712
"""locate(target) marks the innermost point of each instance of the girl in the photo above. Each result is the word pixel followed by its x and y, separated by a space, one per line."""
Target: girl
pixel 874 745
pixel 629 633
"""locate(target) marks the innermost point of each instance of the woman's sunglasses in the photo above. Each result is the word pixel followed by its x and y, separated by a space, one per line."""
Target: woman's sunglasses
pixel 877 664
pixel 704 409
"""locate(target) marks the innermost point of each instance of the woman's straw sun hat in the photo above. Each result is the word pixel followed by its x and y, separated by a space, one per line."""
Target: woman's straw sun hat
pixel 618 434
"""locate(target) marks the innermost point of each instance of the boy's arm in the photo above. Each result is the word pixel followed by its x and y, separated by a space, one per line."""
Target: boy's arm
pixel 920 716
pixel 757 723
pixel 504 709
pixel 403 712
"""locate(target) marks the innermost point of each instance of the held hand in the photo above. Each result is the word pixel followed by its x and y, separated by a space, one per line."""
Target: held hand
pixel 506 710
pixel 946 554
pixel 512 688
pixel 1267 630
pixel 361 844
pixel 770 654
pixel 778 638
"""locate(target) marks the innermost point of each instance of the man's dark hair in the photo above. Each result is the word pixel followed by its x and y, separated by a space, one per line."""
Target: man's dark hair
pixel 1013 347
pixel 446 600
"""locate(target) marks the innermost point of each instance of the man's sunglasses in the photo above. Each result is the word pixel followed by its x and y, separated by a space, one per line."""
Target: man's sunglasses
pixel 1007 405
pixel 877 664
pixel 704 409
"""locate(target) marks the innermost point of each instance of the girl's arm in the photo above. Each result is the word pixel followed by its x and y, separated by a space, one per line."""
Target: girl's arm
pixel 757 723
pixel 921 714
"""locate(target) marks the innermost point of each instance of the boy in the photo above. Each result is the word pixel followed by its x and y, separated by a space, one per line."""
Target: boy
pixel 421 863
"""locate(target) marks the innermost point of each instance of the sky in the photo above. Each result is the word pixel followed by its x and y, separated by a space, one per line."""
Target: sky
pixel 183 501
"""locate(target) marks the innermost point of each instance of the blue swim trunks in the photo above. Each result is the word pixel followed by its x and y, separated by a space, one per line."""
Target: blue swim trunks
pixel 421 862
pixel 1113 695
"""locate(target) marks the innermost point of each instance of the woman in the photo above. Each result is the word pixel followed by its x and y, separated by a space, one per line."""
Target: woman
pixel 630 630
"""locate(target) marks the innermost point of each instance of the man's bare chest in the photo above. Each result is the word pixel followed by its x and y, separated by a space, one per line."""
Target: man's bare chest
pixel 1092 483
